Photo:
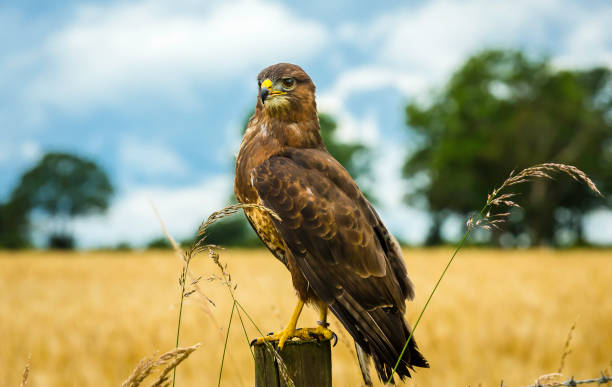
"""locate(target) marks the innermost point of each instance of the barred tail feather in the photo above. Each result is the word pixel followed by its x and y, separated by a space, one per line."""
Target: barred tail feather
pixel 381 333
pixel 364 365
pixel 386 360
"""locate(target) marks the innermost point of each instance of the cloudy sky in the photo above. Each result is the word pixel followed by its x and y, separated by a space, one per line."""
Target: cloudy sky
pixel 156 91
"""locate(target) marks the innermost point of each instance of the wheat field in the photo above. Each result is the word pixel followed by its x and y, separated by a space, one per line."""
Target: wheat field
pixel 87 318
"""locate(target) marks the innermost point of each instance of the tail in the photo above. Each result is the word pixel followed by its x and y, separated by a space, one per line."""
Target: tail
pixel 386 360
pixel 382 334
pixel 364 365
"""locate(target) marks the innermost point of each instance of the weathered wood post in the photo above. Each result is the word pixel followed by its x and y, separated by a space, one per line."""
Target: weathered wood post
pixel 308 364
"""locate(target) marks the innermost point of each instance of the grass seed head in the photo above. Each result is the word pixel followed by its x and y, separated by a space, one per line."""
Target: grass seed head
pixel 147 366
pixel 498 199
pixel 26 372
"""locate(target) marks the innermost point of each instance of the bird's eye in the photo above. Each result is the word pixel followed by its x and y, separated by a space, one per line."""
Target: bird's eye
pixel 288 83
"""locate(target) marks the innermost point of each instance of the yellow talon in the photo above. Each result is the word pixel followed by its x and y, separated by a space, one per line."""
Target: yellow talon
pixel 305 334
pixel 319 333
pixel 281 337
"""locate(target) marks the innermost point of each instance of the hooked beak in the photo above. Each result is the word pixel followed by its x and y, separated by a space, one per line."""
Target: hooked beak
pixel 263 94
pixel 265 90
pixel 268 90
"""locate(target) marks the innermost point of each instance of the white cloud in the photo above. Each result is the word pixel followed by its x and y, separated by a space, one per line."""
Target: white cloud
pixel 408 224
pixel 368 78
pixel 104 54
pixel 108 51
pixel 131 217
pixel 433 38
pixel 590 42
pixel 598 226
pixel 417 47
pixel 359 80
pixel 151 159
pixel 354 129
pixel 30 150
pixel 16 153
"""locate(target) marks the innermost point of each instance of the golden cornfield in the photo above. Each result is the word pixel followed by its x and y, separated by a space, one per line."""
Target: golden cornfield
pixel 87 318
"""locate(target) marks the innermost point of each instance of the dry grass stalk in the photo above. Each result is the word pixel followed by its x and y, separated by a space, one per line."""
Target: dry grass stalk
pixel 487 221
pixel 227 280
pixel 200 239
pixel 229 210
pixel 498 199
pixel 199 246
pixel 146 366
pixel 187 290
pixel 284 371
pixel 566 348
pixel 553 380
pixel 184 257
pixel 26 372
pixel 548 380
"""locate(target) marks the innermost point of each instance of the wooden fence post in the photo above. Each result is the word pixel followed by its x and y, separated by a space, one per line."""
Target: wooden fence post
pixel 308 364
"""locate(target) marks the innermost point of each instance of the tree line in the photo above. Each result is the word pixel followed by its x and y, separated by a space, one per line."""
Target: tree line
pixel 500 111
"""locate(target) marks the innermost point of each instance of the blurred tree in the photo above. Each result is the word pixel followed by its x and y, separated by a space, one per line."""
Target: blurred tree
pixel 502 111
pixel 231 231
pixel 14 230
pixel 236 231
pixel 62 186
pixel 354 157
pixel 123 246
pixel 159 243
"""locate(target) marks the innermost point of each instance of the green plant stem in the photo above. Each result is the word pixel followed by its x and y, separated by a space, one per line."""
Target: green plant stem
pixel 231 292
pixel 226 338
pixel 267 344
pixel 249 317
pixel 178 327
pixel 246 336
pixel 450 261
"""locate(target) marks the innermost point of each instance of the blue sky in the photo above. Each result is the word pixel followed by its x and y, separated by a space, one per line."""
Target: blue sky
pixel 156 91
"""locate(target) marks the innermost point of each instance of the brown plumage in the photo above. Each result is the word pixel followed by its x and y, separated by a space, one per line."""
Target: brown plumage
pixel 338 251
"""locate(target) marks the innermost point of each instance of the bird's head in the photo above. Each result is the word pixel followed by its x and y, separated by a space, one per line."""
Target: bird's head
pixel 286 92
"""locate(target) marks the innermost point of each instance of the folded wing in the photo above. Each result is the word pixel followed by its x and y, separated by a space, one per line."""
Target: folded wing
pixel 343 250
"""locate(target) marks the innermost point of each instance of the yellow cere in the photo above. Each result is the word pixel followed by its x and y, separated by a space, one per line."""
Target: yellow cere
pixel 269 85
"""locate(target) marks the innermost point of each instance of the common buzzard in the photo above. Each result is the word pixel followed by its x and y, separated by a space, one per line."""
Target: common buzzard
pixel 338 251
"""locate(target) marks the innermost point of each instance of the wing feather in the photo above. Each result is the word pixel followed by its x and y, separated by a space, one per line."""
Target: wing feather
pixel 341 247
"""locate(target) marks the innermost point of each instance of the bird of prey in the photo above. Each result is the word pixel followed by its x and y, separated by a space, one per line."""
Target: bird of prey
pixel 339 253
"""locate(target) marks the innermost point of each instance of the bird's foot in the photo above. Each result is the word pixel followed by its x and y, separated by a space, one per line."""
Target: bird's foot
pixel 306 334
pixel 319 333
pixel 280 336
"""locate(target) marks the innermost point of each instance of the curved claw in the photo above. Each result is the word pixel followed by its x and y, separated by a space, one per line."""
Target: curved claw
pixel 279 339
pixel 274 344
